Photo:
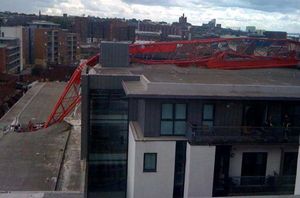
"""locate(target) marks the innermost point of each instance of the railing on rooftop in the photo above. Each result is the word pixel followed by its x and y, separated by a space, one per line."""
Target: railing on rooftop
pixel 267 185
pixel 241 134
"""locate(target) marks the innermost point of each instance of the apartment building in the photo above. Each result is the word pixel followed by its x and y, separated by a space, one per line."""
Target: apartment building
pixel 166 131
pixel 21 33
pixel 70 51
pixel 51 45
pixel 55 46
pixel 9 55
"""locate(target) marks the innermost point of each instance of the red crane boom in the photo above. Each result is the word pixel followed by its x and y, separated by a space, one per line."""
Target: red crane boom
pixel 71 94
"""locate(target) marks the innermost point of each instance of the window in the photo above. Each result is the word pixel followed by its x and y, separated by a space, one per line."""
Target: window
pixel 208 115
pixel 173 119
pixel 254 168
pixel 290 163
pixel 150 162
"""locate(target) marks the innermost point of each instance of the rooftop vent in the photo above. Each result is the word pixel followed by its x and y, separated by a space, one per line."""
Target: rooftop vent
pixel 114 54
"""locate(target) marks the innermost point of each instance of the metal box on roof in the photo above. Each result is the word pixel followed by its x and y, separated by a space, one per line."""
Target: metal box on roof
pixel 114 54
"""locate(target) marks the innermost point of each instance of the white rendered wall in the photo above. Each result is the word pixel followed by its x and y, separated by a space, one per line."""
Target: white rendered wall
pixel 130 165
pixel 273 159
pixel 17 32
pixel 150 184
pixel 297 186
pixel 199 171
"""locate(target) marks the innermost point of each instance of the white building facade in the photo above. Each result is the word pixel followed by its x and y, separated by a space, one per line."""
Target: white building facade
pixel 16 32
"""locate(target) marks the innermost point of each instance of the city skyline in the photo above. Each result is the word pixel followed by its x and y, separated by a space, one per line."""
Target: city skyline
pixel 270 15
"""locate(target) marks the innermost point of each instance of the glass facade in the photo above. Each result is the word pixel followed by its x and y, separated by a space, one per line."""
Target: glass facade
pixel 107 144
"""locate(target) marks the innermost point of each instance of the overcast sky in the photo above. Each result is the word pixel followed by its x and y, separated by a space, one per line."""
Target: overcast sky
pixel 281 15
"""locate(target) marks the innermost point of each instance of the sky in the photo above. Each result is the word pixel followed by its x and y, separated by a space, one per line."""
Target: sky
pixel 280 15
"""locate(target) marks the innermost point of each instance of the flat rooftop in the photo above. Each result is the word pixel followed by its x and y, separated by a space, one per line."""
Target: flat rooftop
pixel 35 161
pixel 171 80
pixel 41 194
pixel 41 22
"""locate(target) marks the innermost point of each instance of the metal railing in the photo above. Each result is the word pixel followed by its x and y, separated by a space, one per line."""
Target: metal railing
pixel 223 134
pixel 248 185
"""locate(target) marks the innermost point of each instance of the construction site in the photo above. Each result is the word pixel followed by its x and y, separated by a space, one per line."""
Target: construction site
pixel 40 128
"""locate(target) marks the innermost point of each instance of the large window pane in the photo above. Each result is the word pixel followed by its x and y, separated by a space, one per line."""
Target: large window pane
pixel 166 127
pixel 253 168
pixel 290 163
pixel 180 111
pixel 254 164
pixel 208 112
pixel 167 111
pixel 180 128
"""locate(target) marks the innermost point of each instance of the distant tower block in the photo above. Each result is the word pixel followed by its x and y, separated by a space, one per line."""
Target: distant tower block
pixel 182 19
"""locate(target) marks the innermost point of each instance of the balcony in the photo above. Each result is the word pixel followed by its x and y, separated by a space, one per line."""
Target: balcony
pixel 257 185
pixel 198 134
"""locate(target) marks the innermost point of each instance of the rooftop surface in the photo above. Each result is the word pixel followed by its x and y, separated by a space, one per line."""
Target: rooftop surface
pixel 41 22
pixel 35 161
pixel 55 194
pixel 170 80
pixel 35 105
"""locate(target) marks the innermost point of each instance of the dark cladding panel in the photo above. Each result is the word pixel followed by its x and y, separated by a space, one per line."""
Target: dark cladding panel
pixel 152 118
pixel 228 113
pixel 195 111
pixel 114 54
pixel 133 109
pixel 110 82
pixel 141 114
pixel 85 115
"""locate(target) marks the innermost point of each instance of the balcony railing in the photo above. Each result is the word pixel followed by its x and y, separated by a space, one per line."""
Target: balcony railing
pixel 199 134
pixel 267 185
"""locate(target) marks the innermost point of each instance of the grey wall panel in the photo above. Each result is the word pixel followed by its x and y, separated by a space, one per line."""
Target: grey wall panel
pixel 195 112
pixel 228 113
pixel 109 82
pixel 114 54
pixel 141 114
pixel 133 109
pixel 152 118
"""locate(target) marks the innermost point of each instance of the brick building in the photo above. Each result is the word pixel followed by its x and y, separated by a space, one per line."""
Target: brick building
pixel 55 46
pixel 93 30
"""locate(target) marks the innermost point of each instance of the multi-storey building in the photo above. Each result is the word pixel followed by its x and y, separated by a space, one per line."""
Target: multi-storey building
pixel 165 131
pixel 69 48
pixel 9 55
pixel 88 50
pixel 21 33
pixel 54 46
pixel 38 41
pixel 46 45
pixel 94 30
